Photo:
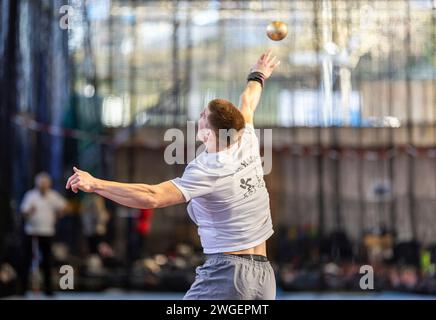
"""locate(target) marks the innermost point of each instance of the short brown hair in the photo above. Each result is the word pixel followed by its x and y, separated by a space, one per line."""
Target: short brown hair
pixel 225 116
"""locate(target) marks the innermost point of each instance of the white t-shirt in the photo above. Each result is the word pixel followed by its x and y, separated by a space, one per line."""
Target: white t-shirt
pixel 42 222
pixel 227 196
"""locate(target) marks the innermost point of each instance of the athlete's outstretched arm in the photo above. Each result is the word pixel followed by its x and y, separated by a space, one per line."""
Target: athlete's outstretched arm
pixel 251 95
pixel 134 195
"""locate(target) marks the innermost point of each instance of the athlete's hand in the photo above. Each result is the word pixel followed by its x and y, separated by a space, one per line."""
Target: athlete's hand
pixel 266 64
pixel 81 180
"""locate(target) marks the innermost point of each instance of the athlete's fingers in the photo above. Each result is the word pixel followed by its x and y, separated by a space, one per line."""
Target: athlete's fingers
pixel 272 61
pixel 68 185
pixel 265 55
pixel 262 57
pixel 268 54
pixel 75 187
pixel 75 180
pixel 275 65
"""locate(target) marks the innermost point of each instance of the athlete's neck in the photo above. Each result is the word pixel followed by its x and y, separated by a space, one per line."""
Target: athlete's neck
pixel 213 148
pixel 211 145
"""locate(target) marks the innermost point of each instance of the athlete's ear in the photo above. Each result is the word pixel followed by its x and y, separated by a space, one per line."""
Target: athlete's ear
pixel 207 133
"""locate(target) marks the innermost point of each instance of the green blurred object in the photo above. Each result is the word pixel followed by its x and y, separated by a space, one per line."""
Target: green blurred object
pixel 427 267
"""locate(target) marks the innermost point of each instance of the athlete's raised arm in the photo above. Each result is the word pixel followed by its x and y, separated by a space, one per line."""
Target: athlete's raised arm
pixel 250 97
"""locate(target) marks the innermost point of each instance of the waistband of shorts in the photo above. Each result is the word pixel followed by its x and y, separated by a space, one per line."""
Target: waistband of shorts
pixel 246 258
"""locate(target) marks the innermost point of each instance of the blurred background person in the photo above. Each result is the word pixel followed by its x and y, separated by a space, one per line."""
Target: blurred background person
pixel 41 207
pixel 143 228
pixel 94 221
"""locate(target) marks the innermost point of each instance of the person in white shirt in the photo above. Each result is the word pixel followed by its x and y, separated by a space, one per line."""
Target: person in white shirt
pixel 227 197
pixel 40 208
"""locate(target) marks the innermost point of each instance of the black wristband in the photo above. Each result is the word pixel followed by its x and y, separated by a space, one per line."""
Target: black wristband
pixel 256 76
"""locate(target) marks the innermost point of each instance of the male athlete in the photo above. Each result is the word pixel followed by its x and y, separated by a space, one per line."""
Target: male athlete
pixel 227 197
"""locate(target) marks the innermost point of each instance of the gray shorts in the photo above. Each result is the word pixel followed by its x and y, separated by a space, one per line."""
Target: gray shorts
pixel 229 277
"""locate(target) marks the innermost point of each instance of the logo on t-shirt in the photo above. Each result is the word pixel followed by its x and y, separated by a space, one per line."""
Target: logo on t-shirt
pixel 251 186
pixel 245 184
pixel 245 163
